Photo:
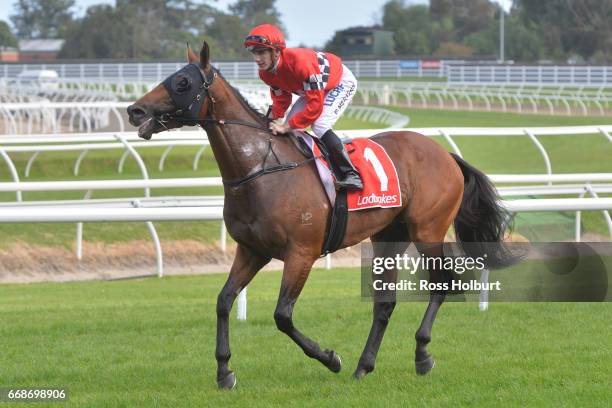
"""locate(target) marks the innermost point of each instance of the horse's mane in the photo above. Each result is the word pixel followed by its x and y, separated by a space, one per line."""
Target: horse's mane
pixel 260 116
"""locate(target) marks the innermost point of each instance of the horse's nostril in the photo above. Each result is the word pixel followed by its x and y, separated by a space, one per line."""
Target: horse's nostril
pixel 136 111
pixel 137 114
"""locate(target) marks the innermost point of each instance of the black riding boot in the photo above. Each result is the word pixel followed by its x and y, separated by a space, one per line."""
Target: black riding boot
pixel 344 171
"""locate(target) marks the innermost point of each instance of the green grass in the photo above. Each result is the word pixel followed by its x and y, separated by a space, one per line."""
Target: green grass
pixel 103 165
pixel 151 343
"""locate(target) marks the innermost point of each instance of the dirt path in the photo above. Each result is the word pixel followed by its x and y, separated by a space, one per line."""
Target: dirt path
pixel 25 263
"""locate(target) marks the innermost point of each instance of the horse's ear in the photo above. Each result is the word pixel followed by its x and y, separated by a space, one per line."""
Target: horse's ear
pixel 204 55
pixel 191 56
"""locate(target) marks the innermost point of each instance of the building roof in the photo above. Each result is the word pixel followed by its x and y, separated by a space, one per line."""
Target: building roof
pixel 42 45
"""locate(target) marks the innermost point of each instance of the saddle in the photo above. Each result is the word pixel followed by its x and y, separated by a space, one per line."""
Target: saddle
pixel 337 222
pixel 303 147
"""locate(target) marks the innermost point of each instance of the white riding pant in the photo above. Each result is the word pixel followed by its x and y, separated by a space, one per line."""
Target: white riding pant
pixel 335 102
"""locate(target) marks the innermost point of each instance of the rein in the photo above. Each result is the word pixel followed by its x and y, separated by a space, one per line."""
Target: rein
pixel 264 170
pixel 197 101
pixel 267 170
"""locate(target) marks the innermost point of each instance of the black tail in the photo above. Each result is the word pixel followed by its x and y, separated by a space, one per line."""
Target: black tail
pixel 481 222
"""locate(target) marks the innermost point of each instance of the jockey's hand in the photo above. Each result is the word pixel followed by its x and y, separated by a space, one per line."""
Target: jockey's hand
pixel 281 128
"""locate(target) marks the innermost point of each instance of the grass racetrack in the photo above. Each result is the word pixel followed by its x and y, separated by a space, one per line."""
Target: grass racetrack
pixel 146 343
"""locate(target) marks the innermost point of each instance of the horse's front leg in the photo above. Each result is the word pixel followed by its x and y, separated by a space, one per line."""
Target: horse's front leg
pixel 295 272
pixel 246 265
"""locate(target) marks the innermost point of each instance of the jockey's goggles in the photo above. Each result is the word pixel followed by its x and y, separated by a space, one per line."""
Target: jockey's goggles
pixel 254 42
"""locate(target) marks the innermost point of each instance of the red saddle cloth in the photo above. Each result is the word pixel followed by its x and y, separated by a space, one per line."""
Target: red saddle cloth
pixel 378 173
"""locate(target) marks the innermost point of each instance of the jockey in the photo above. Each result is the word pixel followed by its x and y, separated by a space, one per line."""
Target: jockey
pixel 326 87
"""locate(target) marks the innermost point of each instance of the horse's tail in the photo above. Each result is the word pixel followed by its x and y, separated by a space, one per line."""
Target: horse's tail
pixel 481 222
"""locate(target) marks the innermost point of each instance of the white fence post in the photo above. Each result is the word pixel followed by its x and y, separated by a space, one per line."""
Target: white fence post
pixel 241 309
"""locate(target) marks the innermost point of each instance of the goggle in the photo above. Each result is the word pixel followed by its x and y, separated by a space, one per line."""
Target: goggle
pixel 258 39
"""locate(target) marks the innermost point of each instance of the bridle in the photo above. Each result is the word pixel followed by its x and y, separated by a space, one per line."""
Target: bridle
pixel 189 105
pixel 188 88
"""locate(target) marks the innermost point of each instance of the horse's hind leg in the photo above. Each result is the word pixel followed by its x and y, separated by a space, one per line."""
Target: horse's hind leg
pixel 429 242
pixel 387 243
pixel 295 273
pixel 246 265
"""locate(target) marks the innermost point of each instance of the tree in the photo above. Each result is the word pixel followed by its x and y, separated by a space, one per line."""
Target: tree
pixel 147 29
pixel 440 9
pixel 485 43
pixel 187 15
pixel 523 41
pixel 467 16
pixel 255 12
pixel 7 39
pixel 132 29
pixel 571 26
pixel 470 16
pixel 96 35
pixel 412 28
pixel 461 28
pixel 143 30
pixel 591 32
pixel 42 18
pixel 229 32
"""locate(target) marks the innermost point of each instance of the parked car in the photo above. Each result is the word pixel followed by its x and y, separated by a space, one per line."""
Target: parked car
pixel 44 79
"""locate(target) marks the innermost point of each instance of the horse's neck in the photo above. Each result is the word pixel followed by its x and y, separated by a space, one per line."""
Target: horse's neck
pixel 238 149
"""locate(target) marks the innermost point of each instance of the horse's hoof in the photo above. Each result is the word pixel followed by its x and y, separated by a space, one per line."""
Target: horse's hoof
pixel 360 373
pixel 227 383
pixel 335 362
pixel 424 366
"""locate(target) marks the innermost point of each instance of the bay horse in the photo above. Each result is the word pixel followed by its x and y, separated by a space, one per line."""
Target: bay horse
pixel 270 189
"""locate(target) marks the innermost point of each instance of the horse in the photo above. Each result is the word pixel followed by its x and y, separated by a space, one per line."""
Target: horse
pixel 265 206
